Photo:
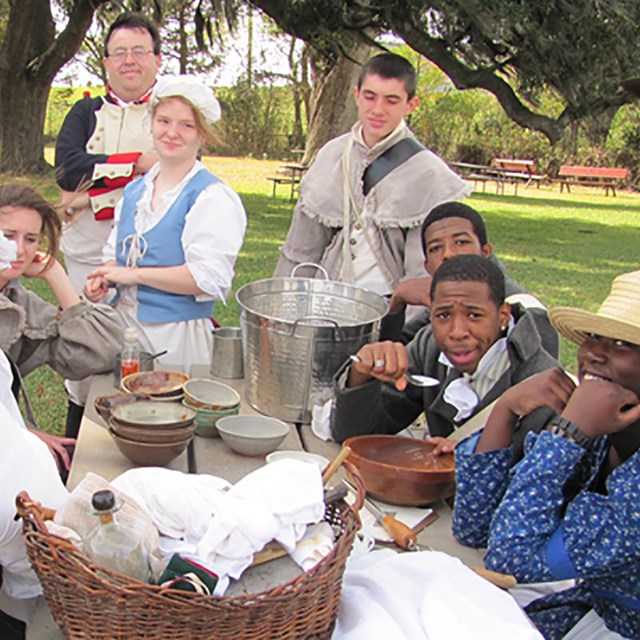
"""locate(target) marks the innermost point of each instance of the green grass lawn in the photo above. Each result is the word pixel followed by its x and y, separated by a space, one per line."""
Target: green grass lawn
pixel 565 249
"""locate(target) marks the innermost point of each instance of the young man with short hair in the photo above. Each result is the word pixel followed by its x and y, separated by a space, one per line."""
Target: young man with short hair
pixel 474 346
pixel 569 509
pixel 364 197
pixel 455 228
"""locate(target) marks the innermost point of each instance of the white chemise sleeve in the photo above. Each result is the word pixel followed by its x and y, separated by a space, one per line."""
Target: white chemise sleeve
pixel 212 237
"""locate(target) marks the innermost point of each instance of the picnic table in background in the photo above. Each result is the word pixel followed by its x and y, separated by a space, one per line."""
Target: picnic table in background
pixel 288 174
pixel 519 171
pixel 501 171
pixel 607 177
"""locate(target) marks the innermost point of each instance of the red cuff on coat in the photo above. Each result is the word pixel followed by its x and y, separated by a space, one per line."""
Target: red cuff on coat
pixel 122 158
pixel 106 213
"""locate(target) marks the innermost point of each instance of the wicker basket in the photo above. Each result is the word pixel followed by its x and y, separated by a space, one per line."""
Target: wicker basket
pixel 91 602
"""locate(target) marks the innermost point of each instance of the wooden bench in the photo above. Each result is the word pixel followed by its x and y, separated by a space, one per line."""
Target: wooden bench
pixel 607 177
pixel 288 174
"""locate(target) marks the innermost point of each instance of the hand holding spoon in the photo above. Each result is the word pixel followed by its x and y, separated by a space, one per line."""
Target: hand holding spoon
pixel 413 378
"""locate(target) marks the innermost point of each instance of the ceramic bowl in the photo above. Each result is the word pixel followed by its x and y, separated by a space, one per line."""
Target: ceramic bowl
pixel 104 405
pixel 304 456
pixel 166 384
pixel 206 420
pixel 402 471
pixel 145 454
pixel 209 394
pixel 159 436
pixel 153 413
pixel 252 435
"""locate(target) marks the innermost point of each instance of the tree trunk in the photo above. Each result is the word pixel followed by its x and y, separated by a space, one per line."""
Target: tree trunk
pixel 333 109
pixel 22 111
pixel 183 45
pixel 30 57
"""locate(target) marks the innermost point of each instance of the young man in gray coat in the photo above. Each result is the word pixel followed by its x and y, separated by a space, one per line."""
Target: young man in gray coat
pixel 475 347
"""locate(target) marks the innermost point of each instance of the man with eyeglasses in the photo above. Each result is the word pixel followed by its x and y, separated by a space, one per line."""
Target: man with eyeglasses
pixel 103 144
pixel 101 147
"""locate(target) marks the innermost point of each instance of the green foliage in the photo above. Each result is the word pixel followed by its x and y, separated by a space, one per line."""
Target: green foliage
pixel 470 126
pixel 258 120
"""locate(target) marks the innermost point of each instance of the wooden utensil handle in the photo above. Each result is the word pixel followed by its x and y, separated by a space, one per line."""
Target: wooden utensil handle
pixel 401 534
pixel 502 580
pixel 333 466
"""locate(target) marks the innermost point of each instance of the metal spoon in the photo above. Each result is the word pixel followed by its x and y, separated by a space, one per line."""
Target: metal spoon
pixel 413 378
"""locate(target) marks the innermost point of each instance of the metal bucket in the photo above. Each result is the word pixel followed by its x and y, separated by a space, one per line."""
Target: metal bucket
pixel 226 358
pixel 297 332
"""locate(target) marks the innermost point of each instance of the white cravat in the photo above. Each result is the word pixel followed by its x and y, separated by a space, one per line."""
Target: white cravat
pixel 466 392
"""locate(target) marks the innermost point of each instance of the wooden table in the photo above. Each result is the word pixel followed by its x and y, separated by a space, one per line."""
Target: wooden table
pixel 97 452
pixel 503 171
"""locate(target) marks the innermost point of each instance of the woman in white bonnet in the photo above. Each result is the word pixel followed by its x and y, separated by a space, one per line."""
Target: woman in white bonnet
pixel 178 232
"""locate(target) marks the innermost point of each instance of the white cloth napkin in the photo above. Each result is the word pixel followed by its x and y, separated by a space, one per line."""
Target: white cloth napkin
pixel 424 595
pixel 223 526
pixel 8 252
pixel 321 420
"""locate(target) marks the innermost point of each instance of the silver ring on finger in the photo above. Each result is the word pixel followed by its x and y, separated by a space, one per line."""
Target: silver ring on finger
pixel 378 364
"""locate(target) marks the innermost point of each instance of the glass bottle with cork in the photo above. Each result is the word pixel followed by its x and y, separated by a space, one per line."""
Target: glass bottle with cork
pixel 130 355
pixel 113 545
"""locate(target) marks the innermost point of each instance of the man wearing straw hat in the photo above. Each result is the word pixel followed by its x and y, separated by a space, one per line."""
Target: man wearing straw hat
pixel 570 509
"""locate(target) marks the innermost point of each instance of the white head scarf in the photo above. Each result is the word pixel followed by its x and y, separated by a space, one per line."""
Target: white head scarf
pixel 190 88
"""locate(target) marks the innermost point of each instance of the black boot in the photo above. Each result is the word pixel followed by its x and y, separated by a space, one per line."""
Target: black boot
pixel 74 417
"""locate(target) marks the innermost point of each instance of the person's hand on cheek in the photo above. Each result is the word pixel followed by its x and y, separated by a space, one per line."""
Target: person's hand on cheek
pixel 600 407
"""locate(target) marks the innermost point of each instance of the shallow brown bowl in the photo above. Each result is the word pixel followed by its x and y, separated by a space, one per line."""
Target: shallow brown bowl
pixel 402 471
pixel 157 383
pixel 154 413
pixel 145 454
pixel 158 436
pixel 104 405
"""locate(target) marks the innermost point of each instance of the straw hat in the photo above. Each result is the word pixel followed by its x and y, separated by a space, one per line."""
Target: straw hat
pixel 618 317
pixel 632 85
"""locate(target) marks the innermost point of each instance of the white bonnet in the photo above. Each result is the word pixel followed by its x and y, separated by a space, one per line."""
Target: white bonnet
pixel 190 88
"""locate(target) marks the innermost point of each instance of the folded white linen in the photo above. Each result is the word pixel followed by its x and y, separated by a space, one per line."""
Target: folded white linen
pixel 179 503
pixel 223 526
pixel 426 595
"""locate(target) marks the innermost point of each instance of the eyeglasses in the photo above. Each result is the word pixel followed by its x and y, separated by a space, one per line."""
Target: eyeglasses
pixel 139 54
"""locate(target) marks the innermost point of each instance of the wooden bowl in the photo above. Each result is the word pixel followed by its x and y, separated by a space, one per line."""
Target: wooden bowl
pixel 402 471
pixel 156 383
